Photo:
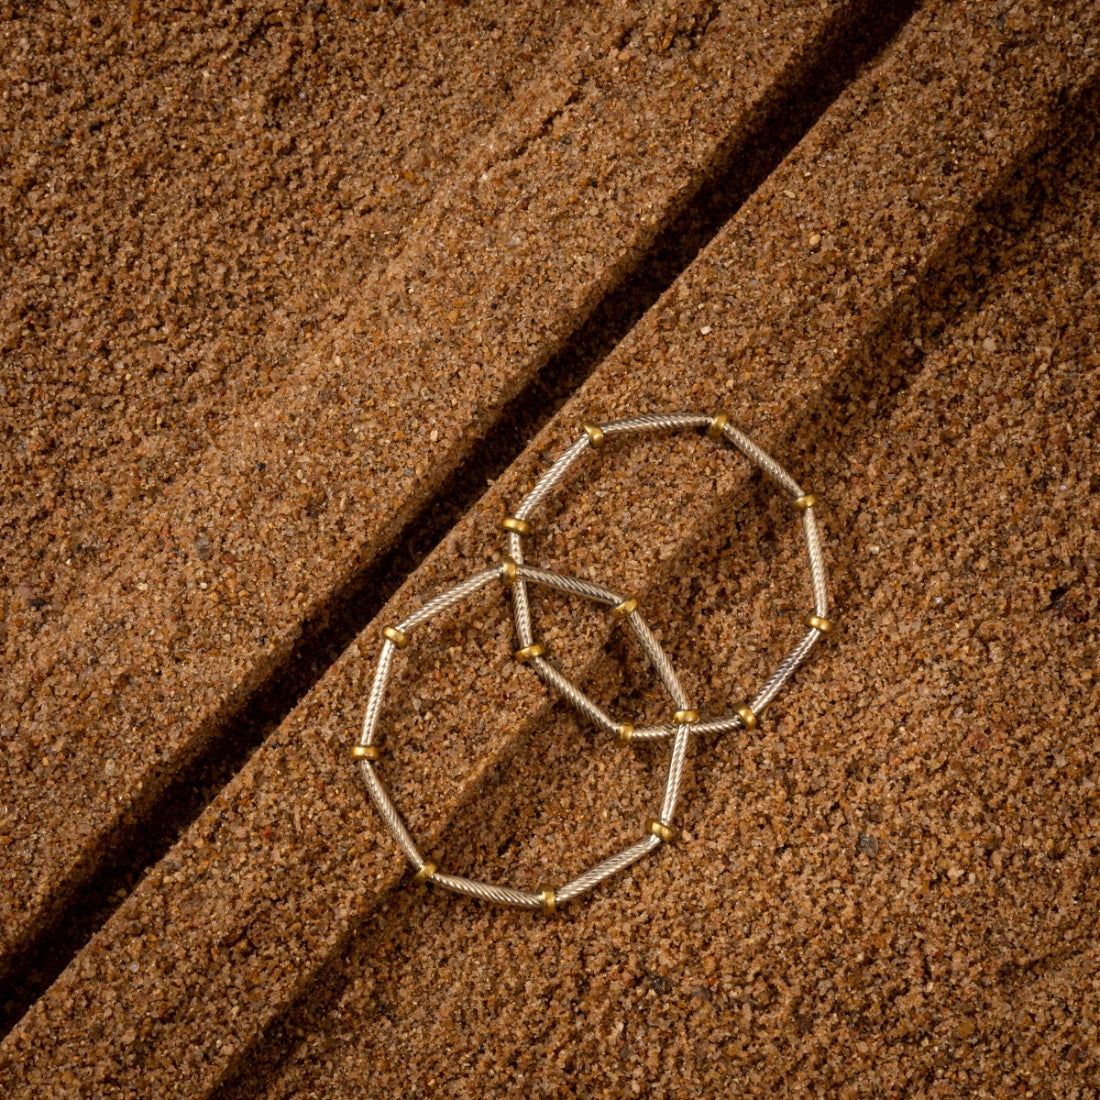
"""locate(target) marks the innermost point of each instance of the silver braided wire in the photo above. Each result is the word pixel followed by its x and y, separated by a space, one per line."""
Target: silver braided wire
pixel 675 772
pixel 503 895
pixel 549 480
pixel 377 691
pixel 572 586
pixel 602 871
pixel 655 422
pixel 565 687
pixel 719 725
pixel 658 659
pixel 652 733
pixel 817 563
pixel 388 812
pixel 449 598
pixel 784 672
pixel 762 459
pixel 521 604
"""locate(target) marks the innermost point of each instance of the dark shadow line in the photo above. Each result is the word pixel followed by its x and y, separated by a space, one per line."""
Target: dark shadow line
pixel 95 890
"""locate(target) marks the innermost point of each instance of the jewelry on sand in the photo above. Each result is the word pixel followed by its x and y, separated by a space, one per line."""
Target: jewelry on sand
pixel 684 719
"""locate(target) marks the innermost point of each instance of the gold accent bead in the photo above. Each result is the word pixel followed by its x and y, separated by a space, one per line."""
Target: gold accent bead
pixel 365 752
pixel 683 717
pixel 660 830
pixel 818 623
pixel 425 873
pixel 805 502
pixel 627 607
pixel 508 569
pixel 714 429
pixel 748 719
pixel 624 731
pixel 519 526
pixel 594 433
pixel 398 637
pixel 529 652
pixel 548 900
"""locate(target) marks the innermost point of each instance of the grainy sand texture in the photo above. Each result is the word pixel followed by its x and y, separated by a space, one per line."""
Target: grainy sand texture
pixel 298 301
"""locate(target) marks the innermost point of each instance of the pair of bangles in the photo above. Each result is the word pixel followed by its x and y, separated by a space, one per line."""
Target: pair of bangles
pixel 516 575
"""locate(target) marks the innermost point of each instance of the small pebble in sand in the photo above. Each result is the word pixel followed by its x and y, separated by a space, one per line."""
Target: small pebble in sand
pixel 867 845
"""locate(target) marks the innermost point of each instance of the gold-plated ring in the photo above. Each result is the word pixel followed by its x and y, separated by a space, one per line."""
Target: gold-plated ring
pixel 519 526
pixel 624 731
pixel 683 717
pixel 548 900
pixel 818 623
pixel 714 429
pixel 594 433
pixel 365 752
pixel 508 569
pixel 529 652
pixel 805 502
pixel 660 830
pixel 748 719
pixel 425 873
pixel 627 607
pixel 398 637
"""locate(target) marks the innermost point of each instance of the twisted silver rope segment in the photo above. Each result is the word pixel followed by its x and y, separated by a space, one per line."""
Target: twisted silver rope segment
pixel 367 752
pixel 516 574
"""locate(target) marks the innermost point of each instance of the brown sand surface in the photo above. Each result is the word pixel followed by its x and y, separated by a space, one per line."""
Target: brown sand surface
pixel 215 575
pixel 186 202
pixel 890 887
